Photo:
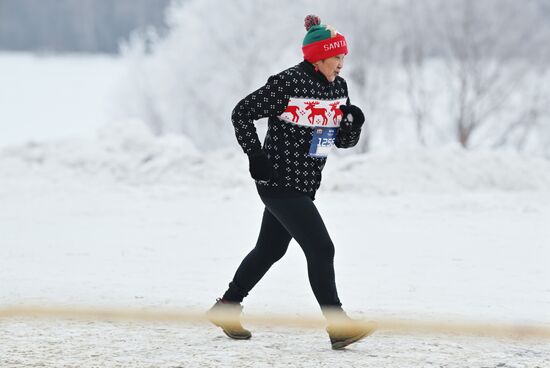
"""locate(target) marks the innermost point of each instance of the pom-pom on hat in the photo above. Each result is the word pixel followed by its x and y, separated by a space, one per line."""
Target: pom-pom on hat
pixel 321 41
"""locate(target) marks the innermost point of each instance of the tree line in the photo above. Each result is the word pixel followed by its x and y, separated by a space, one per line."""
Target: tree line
pixel 92 26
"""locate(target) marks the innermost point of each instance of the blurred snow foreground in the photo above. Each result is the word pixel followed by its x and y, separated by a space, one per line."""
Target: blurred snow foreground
pixel 128 152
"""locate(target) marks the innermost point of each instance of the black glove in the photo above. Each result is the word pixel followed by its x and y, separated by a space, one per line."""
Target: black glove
pixel 260 166
pixel 352 118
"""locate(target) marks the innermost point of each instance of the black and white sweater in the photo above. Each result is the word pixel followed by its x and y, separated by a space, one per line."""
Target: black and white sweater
pixel 304 119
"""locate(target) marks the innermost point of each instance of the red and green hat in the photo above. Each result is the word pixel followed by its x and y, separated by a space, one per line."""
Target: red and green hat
pixel 321 41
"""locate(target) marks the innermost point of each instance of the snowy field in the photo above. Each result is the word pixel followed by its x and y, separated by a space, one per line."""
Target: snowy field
pixel 51 97
pixel 127 220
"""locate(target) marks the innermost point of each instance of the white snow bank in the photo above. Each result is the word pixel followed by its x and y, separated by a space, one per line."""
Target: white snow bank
pixel 125 151
pixel 448 169
pixel 128 152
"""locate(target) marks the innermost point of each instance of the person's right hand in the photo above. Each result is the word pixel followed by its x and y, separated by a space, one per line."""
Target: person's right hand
pixel 353 118
pixel 260 166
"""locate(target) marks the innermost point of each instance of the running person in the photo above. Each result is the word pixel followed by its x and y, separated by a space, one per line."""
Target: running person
pixel 309 111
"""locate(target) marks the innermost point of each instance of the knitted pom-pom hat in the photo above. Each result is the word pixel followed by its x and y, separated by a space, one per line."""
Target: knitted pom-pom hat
pixel 321 41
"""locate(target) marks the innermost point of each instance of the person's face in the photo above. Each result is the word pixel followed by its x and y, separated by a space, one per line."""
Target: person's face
pixel 331 67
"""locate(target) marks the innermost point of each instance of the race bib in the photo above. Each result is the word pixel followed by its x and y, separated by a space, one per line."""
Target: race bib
pixel 322 141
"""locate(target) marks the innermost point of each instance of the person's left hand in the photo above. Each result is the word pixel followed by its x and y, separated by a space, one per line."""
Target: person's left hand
pixel 352 119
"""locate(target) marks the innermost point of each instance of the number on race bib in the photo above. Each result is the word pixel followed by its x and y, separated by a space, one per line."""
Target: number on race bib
pixel 322 142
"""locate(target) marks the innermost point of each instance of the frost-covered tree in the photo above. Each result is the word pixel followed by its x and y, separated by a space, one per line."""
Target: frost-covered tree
pixel 428 72
pixel 415 56
pixel 488 47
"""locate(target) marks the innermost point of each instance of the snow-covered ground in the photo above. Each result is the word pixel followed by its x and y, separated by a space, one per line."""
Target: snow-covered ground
pixel 132 220
pixel 129 220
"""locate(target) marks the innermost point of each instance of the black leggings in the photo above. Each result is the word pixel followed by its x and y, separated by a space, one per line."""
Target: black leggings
pixel 284 219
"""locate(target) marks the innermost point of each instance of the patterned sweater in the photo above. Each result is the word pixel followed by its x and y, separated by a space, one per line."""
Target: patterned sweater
pixel 304 119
